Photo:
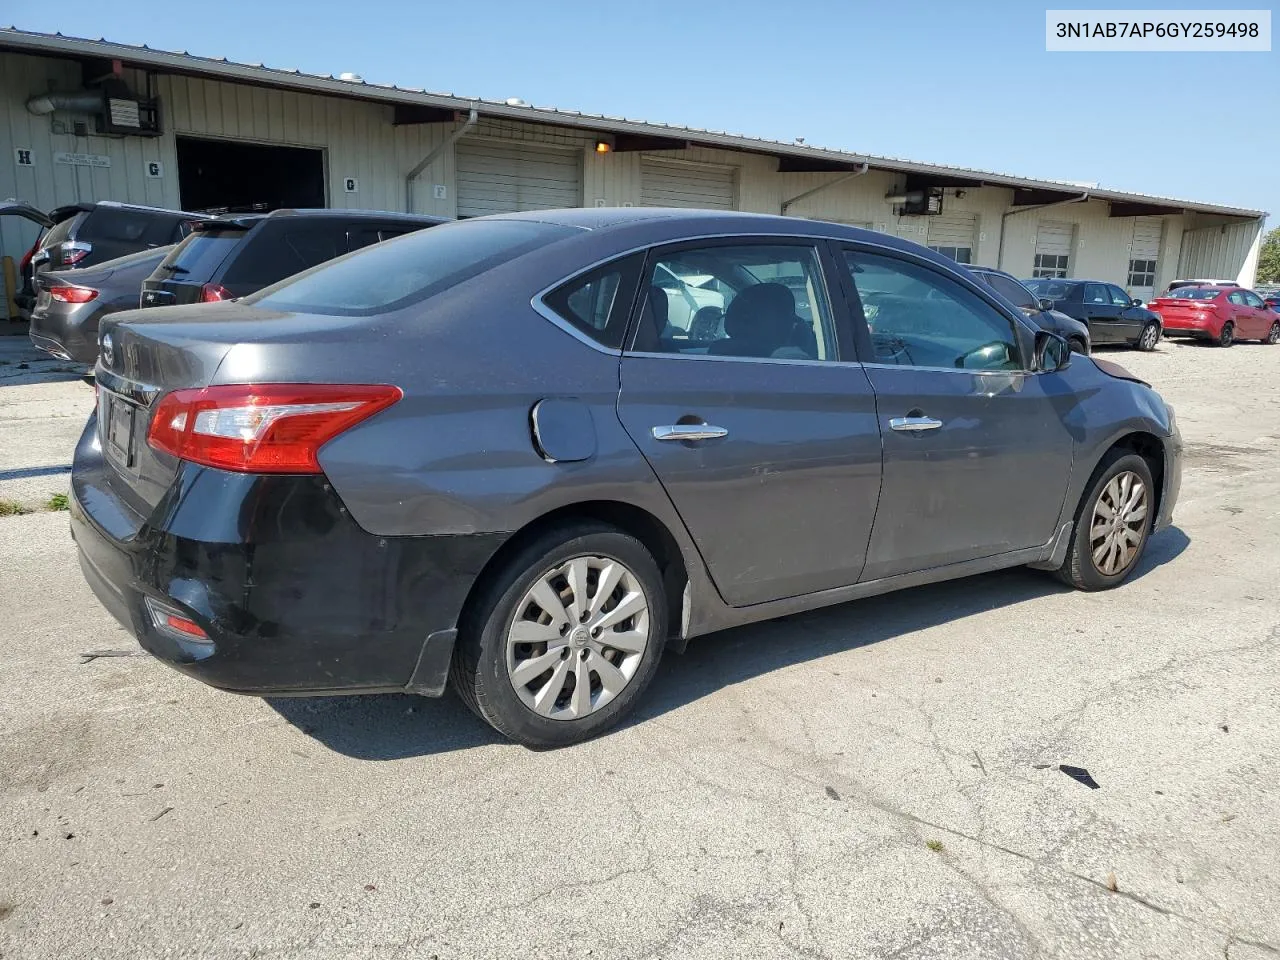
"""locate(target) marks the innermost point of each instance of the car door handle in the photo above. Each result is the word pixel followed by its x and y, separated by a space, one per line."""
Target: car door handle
pixel 689 431
pixel 914 424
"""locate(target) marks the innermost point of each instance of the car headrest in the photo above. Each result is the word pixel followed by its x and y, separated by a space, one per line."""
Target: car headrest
pixel 764 312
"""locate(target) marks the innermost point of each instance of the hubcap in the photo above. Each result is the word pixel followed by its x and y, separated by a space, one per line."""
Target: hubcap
pixel 578 637
pixel 1149 337
pixel 1119 523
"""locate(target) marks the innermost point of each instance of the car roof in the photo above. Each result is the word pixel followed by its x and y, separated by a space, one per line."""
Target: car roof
pixel 383 216
pixel 143 208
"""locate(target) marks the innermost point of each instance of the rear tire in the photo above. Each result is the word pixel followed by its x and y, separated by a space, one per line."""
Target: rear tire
pixel 1228 335
pixel 1113 523
pixel 1273 335
pixel 1149 337
pixel 530 615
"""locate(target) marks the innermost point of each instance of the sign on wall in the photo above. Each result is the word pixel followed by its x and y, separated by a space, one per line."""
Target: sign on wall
pixel 83 159
pixel 23 156
pixel 154 169
pixel 352 185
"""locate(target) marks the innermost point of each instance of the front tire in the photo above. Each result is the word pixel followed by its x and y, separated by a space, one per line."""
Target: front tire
pixel 1228 335
pixel 1273 335
pixel 562 641
pixel 1113 523
pixel 1078 346
pixel 1149 337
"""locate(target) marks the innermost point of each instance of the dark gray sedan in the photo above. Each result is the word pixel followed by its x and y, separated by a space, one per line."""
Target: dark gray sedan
pixel 531 452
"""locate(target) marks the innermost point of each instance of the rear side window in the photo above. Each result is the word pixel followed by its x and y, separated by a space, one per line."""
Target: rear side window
pixel 599 302
pixel 280 249
pixel 60 231
pixel 390 276
pixel 197 258
pixel 117 223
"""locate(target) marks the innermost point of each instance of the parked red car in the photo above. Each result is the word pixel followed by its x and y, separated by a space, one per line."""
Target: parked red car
pixel 1221 314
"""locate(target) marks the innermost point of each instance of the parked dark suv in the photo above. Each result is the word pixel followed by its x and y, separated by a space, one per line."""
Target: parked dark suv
pixel 238 254
pixel 1039 311
pixel 86 234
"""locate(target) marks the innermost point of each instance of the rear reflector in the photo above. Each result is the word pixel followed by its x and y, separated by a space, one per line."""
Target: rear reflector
pixel 73 294
pixel 168 620
pixel 213 293
pixel 262 428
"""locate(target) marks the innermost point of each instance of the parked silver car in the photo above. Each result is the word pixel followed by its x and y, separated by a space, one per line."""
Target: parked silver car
pixel 482 451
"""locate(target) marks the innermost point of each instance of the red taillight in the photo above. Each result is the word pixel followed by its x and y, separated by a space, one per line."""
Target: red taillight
pixel 73 294
pixel 183 625
pixel 262 428
pixel 213 292
pixel 73 251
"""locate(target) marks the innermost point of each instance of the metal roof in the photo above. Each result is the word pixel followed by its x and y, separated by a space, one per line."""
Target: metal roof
pixel 220 68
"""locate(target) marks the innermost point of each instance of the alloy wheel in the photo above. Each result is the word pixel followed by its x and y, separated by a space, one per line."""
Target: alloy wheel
pixel 1228 336
pixel 1119 524
pixel 1274 335
pixel 578 637
pixel 1150 335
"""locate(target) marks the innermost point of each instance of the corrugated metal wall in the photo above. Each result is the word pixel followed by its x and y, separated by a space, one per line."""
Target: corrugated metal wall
pixel 359 140
pixel 1221 250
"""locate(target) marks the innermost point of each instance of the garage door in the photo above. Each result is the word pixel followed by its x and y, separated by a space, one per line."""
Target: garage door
pixel 954 236
pixel 497 177
pixel 1053 248
pixel 1144 255
pixel 664 184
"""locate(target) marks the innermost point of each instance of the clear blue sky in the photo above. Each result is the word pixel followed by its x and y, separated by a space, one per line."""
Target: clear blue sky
pixel 946 82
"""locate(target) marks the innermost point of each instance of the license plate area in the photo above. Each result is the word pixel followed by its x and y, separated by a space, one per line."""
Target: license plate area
pixel 157 298
pixel 117 419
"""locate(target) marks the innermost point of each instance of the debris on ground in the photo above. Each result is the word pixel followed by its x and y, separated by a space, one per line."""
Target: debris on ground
pixel 161 814
pixel 91 655
pixel 1081 775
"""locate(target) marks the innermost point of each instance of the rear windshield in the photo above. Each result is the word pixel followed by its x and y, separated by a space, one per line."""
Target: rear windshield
pixel 1194 293
pixel 114 223
pixel 1049 289
pixel 392 275
pixel 197 257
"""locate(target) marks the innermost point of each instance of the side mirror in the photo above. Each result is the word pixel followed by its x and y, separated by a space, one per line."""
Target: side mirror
pixel 1046 303
pixel 1053 353
pixel 1136 301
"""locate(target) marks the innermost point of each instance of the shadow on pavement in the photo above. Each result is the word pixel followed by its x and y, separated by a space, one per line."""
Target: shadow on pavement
pixel 397 726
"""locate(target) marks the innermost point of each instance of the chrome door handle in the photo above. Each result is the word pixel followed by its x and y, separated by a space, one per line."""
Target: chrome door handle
pixel 689 431
pixel 914 424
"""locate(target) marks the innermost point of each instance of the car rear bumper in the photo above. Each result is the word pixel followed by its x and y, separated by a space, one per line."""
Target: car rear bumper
pixel 1192 327
pixel 294 597
pixel 67 338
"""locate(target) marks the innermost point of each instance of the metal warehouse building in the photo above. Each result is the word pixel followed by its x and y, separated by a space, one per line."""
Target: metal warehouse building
pixel 93 120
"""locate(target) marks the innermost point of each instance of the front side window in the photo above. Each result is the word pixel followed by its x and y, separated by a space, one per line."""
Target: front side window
pixel 598 303
pixel 1119 297
pixel 919 318
pixel 1096 293
pixel 1012 291
pixel 1050 265
pixel 1142 273
pixel 1253 300
pixel 761 300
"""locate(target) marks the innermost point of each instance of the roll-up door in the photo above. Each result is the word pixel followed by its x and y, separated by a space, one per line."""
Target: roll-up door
pixel 666 184
pixel 954 235
pixel 1053 248
pixel 1144 256
pixel 499 177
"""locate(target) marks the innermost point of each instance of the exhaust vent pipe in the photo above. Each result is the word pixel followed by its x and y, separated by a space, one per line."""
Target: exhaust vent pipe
pixel 75 101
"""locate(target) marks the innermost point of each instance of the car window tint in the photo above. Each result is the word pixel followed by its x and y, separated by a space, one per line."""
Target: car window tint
pixel 197 257
pixel 393 275
pixel 358 237
pixel 1049 289
pixel 1011 290
pixel 1119 297
pixel 116 223
pixel 753 300
pixel 1236 297
pixel 282 248
pixel 1096 293
pixel 599 302
pixel 1252 299
pixel 918 317
pixel 1193 293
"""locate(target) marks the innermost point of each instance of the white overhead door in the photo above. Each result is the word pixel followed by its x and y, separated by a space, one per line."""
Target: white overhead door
pixel 667 184
pixel 1053 248
pixel 498 177
pixel 954 235
pixel 1144 255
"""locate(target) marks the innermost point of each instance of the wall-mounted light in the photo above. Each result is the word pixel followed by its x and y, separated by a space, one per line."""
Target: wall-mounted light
pixel 603 146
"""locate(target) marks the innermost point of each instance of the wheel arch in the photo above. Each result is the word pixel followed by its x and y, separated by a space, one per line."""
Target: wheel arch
pixel 627 517
pixel 1151 448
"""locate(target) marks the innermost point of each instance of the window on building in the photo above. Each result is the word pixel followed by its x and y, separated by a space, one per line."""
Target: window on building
pixel 1050 265
pixel 1142 273
pixel 958 254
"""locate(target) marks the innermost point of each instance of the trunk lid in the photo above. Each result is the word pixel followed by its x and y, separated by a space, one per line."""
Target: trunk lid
pixel 1181 307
